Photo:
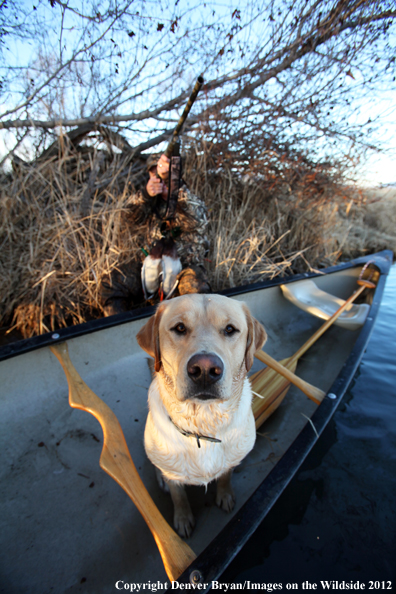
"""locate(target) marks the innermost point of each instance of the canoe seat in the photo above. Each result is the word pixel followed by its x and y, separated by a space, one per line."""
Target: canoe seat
pixel 307 296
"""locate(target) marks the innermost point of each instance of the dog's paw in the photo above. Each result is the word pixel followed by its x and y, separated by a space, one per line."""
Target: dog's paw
pixel 225 499
pixel 184 522
pixel 163 485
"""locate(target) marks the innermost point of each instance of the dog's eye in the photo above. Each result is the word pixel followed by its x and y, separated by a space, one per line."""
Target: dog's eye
pixel 229 330
pixel 179 328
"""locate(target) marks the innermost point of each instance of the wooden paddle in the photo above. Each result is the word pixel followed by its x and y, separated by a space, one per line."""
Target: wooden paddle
pixel 116 460
pixel 272 384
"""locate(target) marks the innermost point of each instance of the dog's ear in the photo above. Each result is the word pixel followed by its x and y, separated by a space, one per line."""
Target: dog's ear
pixel 256 337
pixel 148 337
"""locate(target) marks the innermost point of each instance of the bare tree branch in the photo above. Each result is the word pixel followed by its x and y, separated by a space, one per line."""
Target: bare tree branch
pixel 131 69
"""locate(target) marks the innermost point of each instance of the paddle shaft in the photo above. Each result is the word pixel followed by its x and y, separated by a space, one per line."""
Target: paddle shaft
pixel 116 460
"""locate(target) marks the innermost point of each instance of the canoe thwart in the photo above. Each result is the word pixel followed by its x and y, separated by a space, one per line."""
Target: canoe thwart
pixel 116 460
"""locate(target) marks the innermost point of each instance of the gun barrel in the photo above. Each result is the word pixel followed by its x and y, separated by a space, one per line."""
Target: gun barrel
pixel 184 115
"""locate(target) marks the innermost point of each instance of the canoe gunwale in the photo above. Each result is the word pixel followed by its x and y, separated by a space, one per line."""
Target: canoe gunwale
pixel 383 260
pixel 213 561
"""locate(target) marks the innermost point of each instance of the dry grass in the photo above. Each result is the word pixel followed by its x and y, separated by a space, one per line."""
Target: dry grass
pixel 263 225
pixel 62 228
pixel 370 224
pixel 52 256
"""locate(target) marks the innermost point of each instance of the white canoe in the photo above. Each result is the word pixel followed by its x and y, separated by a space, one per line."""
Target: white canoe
pixel 66 526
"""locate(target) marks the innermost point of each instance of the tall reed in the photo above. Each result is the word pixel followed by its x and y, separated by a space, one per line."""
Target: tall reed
pixel 63 227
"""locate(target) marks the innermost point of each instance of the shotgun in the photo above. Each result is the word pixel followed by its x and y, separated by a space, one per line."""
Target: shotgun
pixel 177 130
pixel 173 153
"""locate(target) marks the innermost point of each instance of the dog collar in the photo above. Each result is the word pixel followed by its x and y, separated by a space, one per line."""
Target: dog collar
pixel 196 435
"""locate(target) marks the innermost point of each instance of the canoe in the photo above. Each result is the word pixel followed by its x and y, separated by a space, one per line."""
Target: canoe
pixel 66 526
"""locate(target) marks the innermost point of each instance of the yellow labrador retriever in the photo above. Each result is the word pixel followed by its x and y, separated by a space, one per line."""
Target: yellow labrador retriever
pixel 200 423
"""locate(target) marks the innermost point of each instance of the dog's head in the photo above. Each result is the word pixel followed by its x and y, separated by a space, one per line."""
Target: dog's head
pixel 202 346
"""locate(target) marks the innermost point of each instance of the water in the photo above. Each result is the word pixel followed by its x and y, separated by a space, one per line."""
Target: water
pixel 337 518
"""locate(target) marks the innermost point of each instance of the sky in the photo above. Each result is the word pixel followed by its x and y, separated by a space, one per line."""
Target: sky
pixel 380 169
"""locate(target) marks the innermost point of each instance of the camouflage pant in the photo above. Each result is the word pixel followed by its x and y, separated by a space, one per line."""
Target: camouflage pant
pixel 121 289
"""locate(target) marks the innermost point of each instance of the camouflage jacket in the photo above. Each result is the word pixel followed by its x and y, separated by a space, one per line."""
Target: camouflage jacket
pixel 188 228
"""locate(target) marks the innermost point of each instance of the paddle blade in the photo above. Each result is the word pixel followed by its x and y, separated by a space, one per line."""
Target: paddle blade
pixel 270 408
pixel 272 388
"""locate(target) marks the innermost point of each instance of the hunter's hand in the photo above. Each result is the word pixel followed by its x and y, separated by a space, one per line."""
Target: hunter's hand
pixel 154 185
pixel 163 167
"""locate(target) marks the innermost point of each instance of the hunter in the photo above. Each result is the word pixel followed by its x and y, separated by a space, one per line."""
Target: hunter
pixel 174 239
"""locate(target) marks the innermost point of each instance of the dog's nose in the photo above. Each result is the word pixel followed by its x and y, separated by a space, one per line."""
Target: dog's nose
pixel 205 368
